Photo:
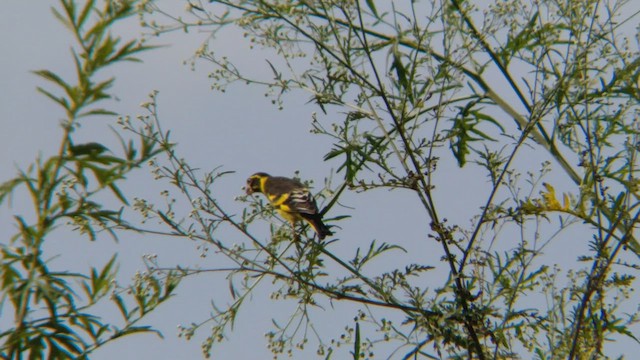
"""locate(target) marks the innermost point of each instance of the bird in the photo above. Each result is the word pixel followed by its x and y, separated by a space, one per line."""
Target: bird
pixel 291 198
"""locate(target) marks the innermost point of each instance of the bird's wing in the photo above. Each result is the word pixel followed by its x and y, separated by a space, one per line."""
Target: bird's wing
pixel 301 201
pixel 290 195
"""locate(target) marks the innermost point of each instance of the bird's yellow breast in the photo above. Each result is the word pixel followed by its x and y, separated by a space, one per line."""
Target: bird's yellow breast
pixel 278 202
pixel 289 216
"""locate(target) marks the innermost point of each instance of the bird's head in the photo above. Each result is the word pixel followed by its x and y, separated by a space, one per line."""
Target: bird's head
pixel 254 182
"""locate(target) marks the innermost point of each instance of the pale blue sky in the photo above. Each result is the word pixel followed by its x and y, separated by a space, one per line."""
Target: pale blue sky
pixel 237 130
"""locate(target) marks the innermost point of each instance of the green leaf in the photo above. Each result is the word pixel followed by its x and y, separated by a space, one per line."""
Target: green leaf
pixel 356 343
pixel 116 191
pixel 465 126
pixel 97 112
pixel 121 306
pixel 138 329
pixel 171 283
pixel 54 78
pixel 7 188
pixel 92 148
pixel 372 6
pixel 520 40
pixel 401 73
pixel 84 14
pixel 102 282
pixel 62 101
pixel 63 19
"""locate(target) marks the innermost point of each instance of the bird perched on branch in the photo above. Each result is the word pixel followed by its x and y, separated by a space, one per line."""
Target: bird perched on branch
pixel 291 198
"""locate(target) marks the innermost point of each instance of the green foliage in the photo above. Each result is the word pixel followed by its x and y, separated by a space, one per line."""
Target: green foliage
pixel 52 310
pixel 486 82
pixel 412 88
pixel 421 84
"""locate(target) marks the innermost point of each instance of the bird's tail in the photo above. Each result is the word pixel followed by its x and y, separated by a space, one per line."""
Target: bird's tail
pixel 321 229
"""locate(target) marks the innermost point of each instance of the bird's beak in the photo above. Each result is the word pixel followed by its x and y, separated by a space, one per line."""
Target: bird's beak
pixel 248 190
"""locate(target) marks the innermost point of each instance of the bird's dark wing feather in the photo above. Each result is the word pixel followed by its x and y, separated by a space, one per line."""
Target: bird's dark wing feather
pixel 297 199
pixel 301 200
pixel 294 198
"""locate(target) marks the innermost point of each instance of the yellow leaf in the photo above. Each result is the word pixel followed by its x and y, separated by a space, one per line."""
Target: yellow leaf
pixel 549 198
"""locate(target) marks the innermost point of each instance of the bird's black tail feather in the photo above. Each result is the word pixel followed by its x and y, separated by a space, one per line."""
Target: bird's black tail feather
pixel 316 222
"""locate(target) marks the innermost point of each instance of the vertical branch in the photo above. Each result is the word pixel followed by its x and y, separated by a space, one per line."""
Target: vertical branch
pixel 427 201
